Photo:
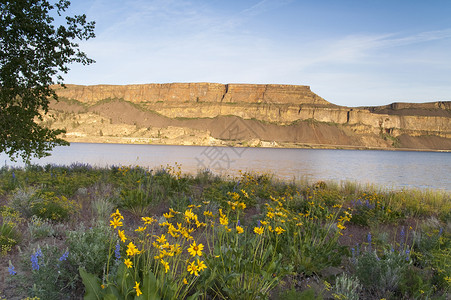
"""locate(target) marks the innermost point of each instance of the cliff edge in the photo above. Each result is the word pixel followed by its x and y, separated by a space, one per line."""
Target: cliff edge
pixel 243 114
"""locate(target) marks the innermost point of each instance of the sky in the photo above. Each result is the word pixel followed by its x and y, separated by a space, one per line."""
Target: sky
pixel 351 53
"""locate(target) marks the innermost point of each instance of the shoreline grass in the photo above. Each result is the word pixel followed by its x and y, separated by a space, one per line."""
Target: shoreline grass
pixel 66 232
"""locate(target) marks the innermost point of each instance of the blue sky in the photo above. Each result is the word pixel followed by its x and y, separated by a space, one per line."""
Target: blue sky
pixel 352 53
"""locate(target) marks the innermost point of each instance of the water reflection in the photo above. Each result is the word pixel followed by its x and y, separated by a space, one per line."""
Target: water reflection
pixel 392 169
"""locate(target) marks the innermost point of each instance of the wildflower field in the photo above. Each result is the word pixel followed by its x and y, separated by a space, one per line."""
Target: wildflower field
pixel 73 232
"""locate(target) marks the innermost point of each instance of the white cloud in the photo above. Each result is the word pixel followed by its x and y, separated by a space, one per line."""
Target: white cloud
pixel 178 41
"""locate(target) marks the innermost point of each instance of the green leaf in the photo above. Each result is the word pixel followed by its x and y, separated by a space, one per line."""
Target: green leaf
pixel 112 293
pixel 195 296
pixel 150 287
pixel 92 285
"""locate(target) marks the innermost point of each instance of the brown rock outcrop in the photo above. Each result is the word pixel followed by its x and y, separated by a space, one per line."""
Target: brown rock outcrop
pixel 194 92
pixel 286 112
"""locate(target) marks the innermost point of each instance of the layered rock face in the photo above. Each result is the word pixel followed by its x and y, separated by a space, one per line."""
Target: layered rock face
pixel 194 92
pixel 283 106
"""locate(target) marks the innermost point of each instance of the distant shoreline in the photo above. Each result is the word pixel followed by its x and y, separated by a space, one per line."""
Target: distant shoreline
pixel 112 140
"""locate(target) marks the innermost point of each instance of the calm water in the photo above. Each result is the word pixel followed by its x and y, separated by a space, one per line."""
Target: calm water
pixel 391 169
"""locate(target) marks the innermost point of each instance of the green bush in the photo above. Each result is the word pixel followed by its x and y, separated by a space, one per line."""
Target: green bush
pixel 47 205
pixel 89 248
pixel 381 274
pixel 52 275
pixel 40 228
pixel 9 234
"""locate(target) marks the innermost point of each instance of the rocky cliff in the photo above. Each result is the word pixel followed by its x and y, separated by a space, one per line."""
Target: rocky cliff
pixel 267 114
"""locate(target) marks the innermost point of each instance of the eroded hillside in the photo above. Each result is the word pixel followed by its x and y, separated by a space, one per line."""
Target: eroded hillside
pixel 243 114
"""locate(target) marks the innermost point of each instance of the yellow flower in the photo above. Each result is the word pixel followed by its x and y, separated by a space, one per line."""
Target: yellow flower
pixel 173 231
pixel 192 268
pixel 168 216
pixel 200 224
pixel 224 220
pixel 140 229
pixel 128 263
pixel 115 223
pixel 189 215
pixel 131 249
pixel 201 265
pixel 117 215
pixel 195 249
pixel 102 286
pixel 258 230
pixel 239 229
pixel 264 223
pixel 340 226
pixel 185 281
pixel 148 220
pixel 208 213
pixel 173 211
pixel 242 205
pixel 270 214
pixel 166 265
pixel 136 287
pixel 121 235
pixel 161 239
pixel 279 230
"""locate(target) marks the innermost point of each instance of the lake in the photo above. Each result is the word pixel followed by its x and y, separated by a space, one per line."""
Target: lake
pixel 390 169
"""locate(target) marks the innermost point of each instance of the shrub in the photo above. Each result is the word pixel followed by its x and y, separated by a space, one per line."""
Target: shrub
pixel 52 276
pixel 9 234
pixel 48 206
pixel 22 200
pixel 39 228
pixel 380 275
pixel 89 247
pixel 347 287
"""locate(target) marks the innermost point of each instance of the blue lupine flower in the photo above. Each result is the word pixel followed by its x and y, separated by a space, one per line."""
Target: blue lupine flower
pixel 368 237
pixel 64 256
pixel 402 236
pixel 441 231
pixel 353 255
pixel 407 254
pixel 14 175
pixel 11 269
pixel 238 223
pixel 117 251
pixel 34 262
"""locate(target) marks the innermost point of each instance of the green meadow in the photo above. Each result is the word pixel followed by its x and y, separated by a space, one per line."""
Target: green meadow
pixel 73 232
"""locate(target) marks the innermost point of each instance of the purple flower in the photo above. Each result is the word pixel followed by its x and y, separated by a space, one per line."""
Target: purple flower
pixel 34 262
pixel 64 256
pixel 368 238
pixel 11 269
pixel 117 251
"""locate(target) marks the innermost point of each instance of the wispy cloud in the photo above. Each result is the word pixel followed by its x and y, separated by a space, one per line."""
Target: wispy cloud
pixel 167 41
